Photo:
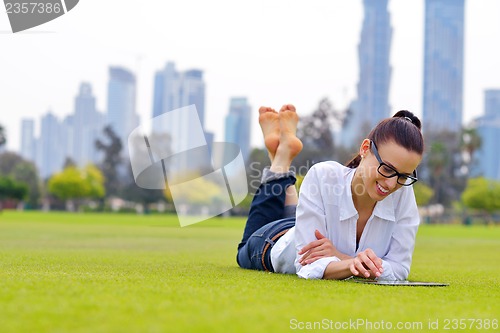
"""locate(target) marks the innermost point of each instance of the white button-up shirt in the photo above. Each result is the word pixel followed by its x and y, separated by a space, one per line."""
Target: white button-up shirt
pixel 325 204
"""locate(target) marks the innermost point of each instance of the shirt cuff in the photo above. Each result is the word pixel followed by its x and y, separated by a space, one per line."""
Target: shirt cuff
pixel 388 274
pixel 316 270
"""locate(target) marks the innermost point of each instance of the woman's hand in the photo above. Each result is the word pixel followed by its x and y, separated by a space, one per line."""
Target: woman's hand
pixel 317 249
pixel 366 264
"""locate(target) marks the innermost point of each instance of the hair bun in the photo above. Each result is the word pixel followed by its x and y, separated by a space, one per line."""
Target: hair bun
pixel 409 116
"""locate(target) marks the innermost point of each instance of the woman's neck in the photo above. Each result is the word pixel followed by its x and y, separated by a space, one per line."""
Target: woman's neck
pixel 360 197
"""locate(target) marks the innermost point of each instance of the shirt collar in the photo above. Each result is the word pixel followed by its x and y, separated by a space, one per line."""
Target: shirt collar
pixel 347 209
pixel 383 209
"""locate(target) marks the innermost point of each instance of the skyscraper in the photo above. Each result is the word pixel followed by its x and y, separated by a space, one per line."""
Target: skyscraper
pixel 192 91
pixel 28 139
pixel 166 90
pixel 50 155
pixel 174 90
pixel 73 138
pixel 88 124
pixel 121 113
pixel 237 126
pixel 67 132
pixel 443 65
pixel 372 102
pixel 488 129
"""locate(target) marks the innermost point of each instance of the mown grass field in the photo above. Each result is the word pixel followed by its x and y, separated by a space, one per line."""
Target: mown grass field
pixel 124 273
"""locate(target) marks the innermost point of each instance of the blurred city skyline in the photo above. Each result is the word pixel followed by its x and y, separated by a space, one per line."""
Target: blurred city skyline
pixel 271 53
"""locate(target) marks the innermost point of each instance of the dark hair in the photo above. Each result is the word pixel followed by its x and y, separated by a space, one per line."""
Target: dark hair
pixel 404 128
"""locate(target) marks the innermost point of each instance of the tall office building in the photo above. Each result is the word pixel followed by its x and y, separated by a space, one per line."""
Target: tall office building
pixel 166 90
pixel 237 126
pixel 67 132
pixel 372 102
pixel 50 157
pixel 443 65
pixel 73 138
pixel 174 90
pixel 121 113
pixel 488 129
pixel 28 139
pixel 88 124
pixel 192 91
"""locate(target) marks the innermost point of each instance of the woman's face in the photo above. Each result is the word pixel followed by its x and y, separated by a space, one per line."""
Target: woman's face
pixel 395 156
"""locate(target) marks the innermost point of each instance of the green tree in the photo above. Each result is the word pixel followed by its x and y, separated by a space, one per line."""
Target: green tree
pixel 21 170
pixel 316 133
pixel 200 191
pixel 423 193
pixel 68 185
pixel 470 141
pixel 72 185
pixel 10 189
pixel 316 130
pixel 132 192
pixel 442 167
pixel 111 161
pixel 482 194
pixel 438 159
pixel 95 180
pixel 447 164
pixel 3 136
pixel 68 161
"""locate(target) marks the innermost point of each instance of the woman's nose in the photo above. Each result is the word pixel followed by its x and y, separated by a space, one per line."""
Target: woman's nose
pixel 391 183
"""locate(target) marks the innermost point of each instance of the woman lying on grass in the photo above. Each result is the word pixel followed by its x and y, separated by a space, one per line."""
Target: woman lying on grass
pixel 355 220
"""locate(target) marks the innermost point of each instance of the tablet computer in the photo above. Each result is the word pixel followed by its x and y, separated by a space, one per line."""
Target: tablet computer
pixel 401 283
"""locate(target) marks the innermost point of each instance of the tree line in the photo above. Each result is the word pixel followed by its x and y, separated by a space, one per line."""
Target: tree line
pixel 444 173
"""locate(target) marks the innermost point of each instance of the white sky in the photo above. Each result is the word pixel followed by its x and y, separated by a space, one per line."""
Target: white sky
pixel 272 51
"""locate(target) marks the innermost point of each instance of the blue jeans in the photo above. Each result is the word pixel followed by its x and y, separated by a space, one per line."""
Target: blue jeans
pixel 267 221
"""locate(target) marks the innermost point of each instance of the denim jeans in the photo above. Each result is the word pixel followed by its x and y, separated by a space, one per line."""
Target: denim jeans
pixel 267 219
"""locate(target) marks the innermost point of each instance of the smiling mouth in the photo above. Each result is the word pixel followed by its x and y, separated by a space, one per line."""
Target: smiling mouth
pixel 381 189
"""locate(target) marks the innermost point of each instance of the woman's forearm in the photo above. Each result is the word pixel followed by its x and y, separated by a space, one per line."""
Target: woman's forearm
pixel 338 270
pixel 366 264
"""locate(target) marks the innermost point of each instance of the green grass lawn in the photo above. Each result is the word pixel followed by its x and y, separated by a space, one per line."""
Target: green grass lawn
pixel 124 273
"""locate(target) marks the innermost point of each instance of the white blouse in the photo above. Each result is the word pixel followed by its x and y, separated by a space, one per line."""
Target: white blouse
pixel 325 204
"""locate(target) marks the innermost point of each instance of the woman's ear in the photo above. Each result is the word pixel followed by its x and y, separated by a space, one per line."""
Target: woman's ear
pixel 364 148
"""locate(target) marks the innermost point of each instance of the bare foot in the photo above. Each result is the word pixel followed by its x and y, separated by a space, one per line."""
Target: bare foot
pixel 288 129
pixel 289 145
pixel 270 125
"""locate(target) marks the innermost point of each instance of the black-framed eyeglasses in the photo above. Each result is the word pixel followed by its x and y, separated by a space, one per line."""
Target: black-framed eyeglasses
pixel 388 172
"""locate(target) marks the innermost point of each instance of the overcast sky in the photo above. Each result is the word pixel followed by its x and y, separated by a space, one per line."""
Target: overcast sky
pixel 272 51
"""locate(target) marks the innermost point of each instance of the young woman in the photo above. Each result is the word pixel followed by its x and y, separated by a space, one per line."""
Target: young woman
pixel 355 220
